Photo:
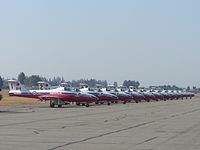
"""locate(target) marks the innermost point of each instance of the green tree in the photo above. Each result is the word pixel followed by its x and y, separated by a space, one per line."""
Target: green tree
pixel 134 83
pixel 32 80
pixel 115 84
pixel 21 78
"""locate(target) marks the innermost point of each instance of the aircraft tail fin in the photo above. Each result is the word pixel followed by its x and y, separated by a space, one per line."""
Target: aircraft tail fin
pixel 43 85
pixel 16 86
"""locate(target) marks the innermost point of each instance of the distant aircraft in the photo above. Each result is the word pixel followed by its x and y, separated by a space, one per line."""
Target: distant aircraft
pixel 148 96
pixel 65 94
pixel 136 95
pixel 123 96
pixel 55 96
pixel 103 96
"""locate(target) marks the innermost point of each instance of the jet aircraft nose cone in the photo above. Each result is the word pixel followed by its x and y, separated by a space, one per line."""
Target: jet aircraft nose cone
pixel 115 97
pixel 94 97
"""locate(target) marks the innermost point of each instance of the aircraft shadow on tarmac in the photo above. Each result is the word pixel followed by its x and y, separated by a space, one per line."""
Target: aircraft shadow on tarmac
pixel 75 106
pixel 13 112
pixel 64 106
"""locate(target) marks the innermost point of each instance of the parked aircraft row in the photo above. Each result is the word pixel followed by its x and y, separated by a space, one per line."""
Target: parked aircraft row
pixel 65 94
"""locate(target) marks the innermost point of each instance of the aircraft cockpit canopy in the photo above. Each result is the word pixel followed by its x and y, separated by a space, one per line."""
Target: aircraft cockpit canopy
pixel 67 88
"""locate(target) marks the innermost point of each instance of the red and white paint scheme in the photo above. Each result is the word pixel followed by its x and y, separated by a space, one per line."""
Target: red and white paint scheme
pixel 122 96
pixel 55 96
pixel 103 97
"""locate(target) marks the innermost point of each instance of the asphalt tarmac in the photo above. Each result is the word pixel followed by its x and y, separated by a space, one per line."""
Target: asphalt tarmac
pixel 164 125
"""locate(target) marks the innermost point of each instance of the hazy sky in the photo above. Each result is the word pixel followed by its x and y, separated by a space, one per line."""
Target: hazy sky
pixel 153 41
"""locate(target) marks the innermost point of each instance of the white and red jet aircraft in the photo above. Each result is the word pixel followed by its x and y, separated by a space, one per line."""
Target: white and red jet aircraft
pixel 103 97
pixel 55 96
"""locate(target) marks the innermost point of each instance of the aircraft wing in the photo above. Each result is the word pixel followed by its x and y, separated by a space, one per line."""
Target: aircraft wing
pixel 51 97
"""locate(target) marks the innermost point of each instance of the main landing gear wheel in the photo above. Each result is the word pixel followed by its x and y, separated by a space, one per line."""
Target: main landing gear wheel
pixel 59 106
pixel 108 104
pixel 124 102
pixel 87 105
pixel 52 104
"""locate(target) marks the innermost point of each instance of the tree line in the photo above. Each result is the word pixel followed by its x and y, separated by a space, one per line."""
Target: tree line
pixel 31 81
pixel 56 81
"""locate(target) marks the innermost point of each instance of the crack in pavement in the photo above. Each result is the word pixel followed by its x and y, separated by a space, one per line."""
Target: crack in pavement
pixel 181 133
pixel 102 135
pixel 148 140
pixel 117 131
pixel 66 117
